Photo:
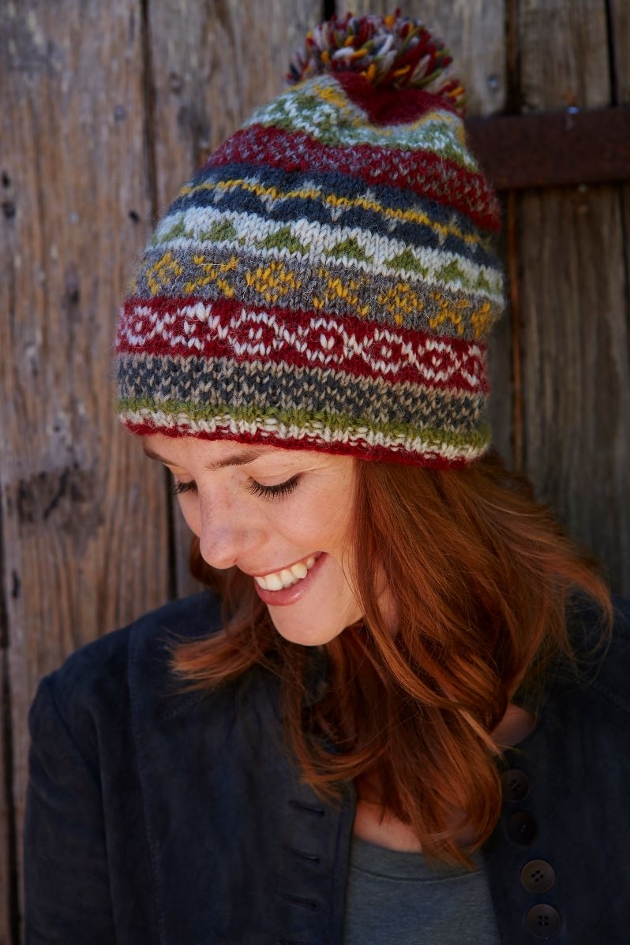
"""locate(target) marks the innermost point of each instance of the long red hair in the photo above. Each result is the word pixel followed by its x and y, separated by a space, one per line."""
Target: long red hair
pixel 483 579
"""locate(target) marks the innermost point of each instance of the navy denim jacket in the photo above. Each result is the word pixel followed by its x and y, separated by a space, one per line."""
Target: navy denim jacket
pixel 160 817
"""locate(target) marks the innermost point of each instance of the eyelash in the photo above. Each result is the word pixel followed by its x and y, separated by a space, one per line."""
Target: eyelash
pixel 177 488
pixel 269 492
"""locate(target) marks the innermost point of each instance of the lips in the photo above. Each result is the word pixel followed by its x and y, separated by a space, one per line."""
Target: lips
pixel 291 594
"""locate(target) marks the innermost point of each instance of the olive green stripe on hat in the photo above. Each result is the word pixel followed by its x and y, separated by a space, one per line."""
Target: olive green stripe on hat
pixel 171 413
pixel 322 389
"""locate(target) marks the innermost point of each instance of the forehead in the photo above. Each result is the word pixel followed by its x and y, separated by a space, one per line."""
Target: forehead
pixel 221 453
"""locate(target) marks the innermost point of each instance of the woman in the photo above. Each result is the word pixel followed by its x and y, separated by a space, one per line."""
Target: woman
pixel 394 719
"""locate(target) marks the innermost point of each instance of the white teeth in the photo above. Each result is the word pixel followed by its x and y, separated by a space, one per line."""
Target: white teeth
pixel 274 582
pixel 287 577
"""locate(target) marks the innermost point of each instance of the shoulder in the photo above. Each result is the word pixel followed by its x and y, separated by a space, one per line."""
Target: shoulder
pixel 599 681
pixel 611 675
pixel 95 683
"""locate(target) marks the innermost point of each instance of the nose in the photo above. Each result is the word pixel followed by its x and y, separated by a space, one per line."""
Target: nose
pixel 227 534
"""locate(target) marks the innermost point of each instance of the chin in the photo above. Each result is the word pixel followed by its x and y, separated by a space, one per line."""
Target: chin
pixel 311 633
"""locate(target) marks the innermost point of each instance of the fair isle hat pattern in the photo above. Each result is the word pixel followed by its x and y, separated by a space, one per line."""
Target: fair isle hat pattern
pixel 328 279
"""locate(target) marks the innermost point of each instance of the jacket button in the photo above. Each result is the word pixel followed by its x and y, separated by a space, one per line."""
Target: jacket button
pixel 515 784
pixel 537 876
pixel 543 921
pixel 521 828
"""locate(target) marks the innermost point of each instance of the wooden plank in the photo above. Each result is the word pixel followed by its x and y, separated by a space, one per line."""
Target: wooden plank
pixel 620 47
pixel 212 64
pixel 553 149
pixel 473 31
pixel 576 374
pixel 577 377
pixel 500 374
pixel 620 36
pixel 563 54
pixel 505 390
pixel 84 532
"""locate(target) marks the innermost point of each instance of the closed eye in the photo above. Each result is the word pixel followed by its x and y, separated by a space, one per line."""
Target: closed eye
pixel 271 492
pixel 179 487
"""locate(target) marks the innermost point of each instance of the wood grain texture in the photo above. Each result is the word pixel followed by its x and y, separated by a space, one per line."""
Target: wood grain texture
pixel 500 408
pixel 473 30
pixel 620 48
pixel 212 64
pixel 84 533
pixel 576 373
pixel 563 54
pixel 501 404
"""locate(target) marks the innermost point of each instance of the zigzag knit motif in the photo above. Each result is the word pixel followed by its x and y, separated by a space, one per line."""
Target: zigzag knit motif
pixel 326 281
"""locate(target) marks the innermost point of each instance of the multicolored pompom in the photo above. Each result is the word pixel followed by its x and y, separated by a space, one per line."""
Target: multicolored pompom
pixel 389 51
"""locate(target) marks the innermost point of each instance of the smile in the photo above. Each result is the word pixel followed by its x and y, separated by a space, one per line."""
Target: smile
pixel 287 577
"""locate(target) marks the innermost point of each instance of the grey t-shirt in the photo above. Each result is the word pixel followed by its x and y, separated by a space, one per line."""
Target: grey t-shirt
pixel 396 899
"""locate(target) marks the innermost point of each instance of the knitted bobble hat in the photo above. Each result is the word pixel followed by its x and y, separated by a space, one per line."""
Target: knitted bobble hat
pixel 327 279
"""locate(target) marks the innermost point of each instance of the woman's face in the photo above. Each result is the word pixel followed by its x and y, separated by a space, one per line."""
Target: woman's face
pixel 282 516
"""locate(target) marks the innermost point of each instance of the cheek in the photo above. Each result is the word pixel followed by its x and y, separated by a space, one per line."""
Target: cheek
pixel 327 527
pixel 311 533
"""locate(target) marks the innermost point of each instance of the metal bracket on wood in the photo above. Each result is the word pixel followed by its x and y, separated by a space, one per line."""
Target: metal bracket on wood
pixel 553 149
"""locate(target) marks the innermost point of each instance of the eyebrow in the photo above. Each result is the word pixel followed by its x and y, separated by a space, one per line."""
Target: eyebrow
pixel 235 459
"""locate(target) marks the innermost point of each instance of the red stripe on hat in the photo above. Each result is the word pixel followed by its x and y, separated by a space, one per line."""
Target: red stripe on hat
pixel 226 329
pixel 423 172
